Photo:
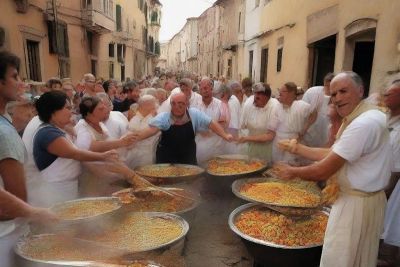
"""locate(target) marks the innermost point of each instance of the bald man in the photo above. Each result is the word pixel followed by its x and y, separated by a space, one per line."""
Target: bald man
pixel 361 157
pixel 178 128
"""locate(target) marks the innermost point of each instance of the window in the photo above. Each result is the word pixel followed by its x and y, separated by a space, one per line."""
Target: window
pixel 240 14
pixel 2 36
pixel 93 64
pixel 228 74
pixel 157 48
pixel 111 50
pixel 264 65
pixel 279 59
pixel 111 70
pixel 122 73
pixel 64 68
pixel 119 53
pixel 58 38
pixel 32 48
pixel 118 16
pixel 90 41
pixel 154 17
pixel 251 64
pixel 279 55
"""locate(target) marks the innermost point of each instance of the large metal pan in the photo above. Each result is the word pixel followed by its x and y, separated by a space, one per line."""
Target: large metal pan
pixel 27 261
pixel 169 179
pixel 246 158
pixel 193 200
pixel 237 185
pixel 246 207
pixel 114 200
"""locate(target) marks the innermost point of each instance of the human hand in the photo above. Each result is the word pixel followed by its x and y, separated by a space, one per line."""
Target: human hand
pixel 283 170
pixel 229 138
pixel 129 139
pixel 241 140
pixel 288 145
pixel 111 156
pixel 42 216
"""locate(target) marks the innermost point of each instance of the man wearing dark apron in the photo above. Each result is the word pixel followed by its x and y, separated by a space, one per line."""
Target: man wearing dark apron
pixel 178 129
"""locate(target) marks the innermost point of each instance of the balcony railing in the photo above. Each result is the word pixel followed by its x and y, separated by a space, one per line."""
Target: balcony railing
pixel 98 15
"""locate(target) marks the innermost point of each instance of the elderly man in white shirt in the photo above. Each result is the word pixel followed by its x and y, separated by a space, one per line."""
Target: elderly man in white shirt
pixel 231 112
pixel 362 158
pixel 143 152
pixel 186 87
pixel 260 119
pixel 115 122
pixel 208 143
pixel 294 116
pixel 318 97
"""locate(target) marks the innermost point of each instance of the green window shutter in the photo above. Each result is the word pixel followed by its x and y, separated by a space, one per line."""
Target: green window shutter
pixel 119 18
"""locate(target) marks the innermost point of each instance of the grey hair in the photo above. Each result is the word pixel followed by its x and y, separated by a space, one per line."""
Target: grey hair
pixel 258 87
pixel 357 80
pixel 105 97
pixel 150 91
pixel 87 76
pixel 223 90
pixel 146 99
pixel 187 82
pixel 205 78
pixel 235 86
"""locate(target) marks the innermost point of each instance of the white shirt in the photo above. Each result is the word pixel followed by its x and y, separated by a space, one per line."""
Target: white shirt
pixel 235 111
pixel 142 152
pixel 117 124
pixel 31 171
pixel 317 134
pixel 213 109
pixel 85 134
pixel 394 128
pixel 292 119
pixel 260 120
pixel 365 146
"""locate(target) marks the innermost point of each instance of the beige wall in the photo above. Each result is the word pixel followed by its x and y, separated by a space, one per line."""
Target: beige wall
pixel 20 27
pixel 32 25
pixel 210 54
pixel 329 17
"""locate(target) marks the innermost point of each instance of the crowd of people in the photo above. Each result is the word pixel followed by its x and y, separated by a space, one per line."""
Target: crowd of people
pixel 65 141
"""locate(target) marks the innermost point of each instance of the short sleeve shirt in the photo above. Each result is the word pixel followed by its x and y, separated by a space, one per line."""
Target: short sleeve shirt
pixel 43 138
pixel 365 146
pixel 11 145
pixel 200 120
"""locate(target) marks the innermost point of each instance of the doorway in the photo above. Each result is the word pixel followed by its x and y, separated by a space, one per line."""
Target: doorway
pixel 362 62
pixel 323 52
pixel 251 64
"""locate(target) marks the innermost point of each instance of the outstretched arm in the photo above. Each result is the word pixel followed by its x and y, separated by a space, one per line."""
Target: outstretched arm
pixel 13 207
pixel 216 128
pixel 318 171
pixel 311 153
pixel 260 138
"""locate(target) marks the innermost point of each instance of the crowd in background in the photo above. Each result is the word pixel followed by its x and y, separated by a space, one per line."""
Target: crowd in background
pixel 109 119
